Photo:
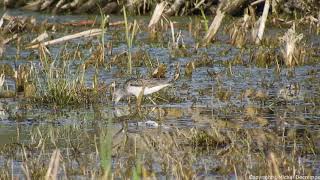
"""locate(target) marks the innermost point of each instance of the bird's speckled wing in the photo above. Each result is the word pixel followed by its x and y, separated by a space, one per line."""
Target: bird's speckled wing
pixel 145 82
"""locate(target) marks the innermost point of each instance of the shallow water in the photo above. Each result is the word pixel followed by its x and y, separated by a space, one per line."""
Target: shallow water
pixel 76 130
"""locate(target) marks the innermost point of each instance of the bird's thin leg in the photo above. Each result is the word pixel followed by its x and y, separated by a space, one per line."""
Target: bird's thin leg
pixel 139 99
pixel 129 102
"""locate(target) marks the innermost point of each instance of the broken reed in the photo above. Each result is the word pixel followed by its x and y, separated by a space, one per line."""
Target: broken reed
pixel 292 51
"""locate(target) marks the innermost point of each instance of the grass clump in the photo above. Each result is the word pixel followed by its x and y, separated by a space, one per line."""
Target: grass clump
pixel 208 138
pixel 62 82
pixel 140 58
pixel 57 85
pixel 264 57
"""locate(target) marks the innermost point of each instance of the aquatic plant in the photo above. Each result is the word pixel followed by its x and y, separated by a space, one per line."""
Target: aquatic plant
pixel 58 82
pixel 205 20
pixel 129 38
pixel 156 16
pixel 105 153
pixel 103 25
pixel 140 58
pixel 54 87
pixel 264 57
pixel 190 66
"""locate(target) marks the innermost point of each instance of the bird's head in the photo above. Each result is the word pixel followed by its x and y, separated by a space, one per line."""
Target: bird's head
pixel 117 95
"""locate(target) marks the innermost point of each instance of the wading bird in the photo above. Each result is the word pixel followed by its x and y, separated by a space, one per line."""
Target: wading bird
pixel 138 88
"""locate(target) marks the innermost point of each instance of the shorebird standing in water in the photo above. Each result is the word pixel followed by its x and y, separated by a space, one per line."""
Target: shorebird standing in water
pixel 138 88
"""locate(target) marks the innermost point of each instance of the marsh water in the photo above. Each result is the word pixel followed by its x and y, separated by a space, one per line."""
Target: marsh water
pixel 228 92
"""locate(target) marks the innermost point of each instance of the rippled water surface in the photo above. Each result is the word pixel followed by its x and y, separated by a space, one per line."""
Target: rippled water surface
pixel 244 104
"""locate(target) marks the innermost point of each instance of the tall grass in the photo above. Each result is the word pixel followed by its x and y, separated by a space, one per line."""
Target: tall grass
pixel 57 81
pixel 205 20
pixel 105 153
pixel 129 38
pixel 103 25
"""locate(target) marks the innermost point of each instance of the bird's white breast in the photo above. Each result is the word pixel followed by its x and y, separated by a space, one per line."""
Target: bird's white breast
pixel 134 90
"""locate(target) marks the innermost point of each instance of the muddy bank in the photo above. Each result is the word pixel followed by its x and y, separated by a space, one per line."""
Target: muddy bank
pixel 173 7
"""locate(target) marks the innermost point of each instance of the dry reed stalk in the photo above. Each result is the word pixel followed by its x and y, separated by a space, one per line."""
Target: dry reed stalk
pixel 3 42
pixel 33 6
pixel 2 19
pixel 2 79
pixel 46 4
pixel 7 17
pixel 44 53
pixel 53 165
pixel 175 7
pixel 40 38
pixel 172 33
pixel 2 48
pixel 70 5
pixel 21 77
pixel 275 6
pixel 274 165
pixel 318 24
pixel 87 33
pixel 60 3
pixel 117 23
pixel 197 6
pixel 176 38
pixel 257 2
pixel 239 30
pixel 214 27
pixel 254 30
pixel 26 171
pixel 232 6
pixel 58 6
pixel 292 54
pixel 80 23
pixel 13 37
pixel 176 72
pixel 157 14
pixel 263 20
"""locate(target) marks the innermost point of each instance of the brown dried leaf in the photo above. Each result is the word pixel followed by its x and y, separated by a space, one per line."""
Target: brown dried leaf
pixel 160 71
